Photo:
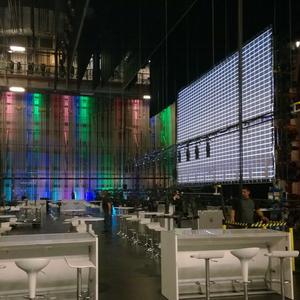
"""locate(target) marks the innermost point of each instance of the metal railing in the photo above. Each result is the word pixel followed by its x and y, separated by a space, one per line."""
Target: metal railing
pixel 39 70
pixel 12 68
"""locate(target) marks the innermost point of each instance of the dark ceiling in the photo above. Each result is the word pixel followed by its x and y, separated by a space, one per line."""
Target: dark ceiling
pixel 175 35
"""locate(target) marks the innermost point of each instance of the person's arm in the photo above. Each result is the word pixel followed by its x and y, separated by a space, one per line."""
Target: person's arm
pixel 261 215
pixel 232 215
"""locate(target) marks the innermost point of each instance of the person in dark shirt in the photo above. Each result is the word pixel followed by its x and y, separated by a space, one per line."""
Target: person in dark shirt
pixel 244 209
pixel 177 201
pixel 107 210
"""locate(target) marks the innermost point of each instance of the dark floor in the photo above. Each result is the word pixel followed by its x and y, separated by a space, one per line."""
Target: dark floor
pixel 126 272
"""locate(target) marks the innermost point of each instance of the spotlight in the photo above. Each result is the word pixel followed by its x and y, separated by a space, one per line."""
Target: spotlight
pixel 17 49
pixel 178 156
pixel 297 44
pixel 207 149
pixel 146 97
pixel 187 153
pixel 17 89
pixel 196 152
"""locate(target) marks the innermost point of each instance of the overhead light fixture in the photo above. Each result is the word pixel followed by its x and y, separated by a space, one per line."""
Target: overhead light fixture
pixel 17 49
pixel 207 148
pixel 17 89
pixel 178 157
pixel 146 97
pixel 187 154
pixel 297 44
pixel 196 152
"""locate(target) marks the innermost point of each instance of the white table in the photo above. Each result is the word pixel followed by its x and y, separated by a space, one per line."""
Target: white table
pixel 179 273
pixel 54 246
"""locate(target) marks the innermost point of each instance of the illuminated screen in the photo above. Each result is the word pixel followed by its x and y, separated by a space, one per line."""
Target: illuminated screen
pixel 208 114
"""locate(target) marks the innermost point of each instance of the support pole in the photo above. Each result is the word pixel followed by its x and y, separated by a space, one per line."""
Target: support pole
pixel 240 87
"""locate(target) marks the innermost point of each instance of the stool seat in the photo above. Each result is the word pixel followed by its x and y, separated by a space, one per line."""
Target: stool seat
pixel 79 262
pixel 246 253
pixel 208 255
pixel 152 225
pixel 283 254
pixel 160 229
pixel 145 221
pixel 32 265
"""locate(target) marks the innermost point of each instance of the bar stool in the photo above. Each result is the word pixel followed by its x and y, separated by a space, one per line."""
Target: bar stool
pixel 79 263
pixel 32 266
pixel 282 255
pixel 122 219
pixel 207 256
pixel 156 240
pixel 244 255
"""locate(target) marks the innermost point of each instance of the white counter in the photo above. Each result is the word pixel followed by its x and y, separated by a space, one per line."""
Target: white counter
pixel 57 275
pixel 180 272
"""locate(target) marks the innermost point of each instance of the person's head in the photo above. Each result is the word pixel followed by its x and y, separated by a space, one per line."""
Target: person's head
pixel 176 194
pixel 246 192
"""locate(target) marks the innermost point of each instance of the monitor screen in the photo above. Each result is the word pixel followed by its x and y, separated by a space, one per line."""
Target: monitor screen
pixel 208 120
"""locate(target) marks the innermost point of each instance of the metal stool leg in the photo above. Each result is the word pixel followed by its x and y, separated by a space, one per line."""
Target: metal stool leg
pixel 282 278
pixel 79 283
pixel 207 277
pixel 246 290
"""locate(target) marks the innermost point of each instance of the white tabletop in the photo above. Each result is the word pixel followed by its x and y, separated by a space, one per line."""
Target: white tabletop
pixel 44 239
pixel 85 219
pixel 7 216
pixel 30 206
pixel 153 213
pixel 123 207
pixel 74 210
pixel 231 233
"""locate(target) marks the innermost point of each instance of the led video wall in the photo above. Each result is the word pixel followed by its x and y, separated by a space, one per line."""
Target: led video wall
pixel 208 114
pixel 53 145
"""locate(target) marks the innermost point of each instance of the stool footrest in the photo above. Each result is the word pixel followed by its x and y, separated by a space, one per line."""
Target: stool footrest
pixel 277 281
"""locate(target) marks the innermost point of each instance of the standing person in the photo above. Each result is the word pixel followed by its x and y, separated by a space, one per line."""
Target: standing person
pixel 107 210
pixel 3 201
pixel 177 201
pixel 244 209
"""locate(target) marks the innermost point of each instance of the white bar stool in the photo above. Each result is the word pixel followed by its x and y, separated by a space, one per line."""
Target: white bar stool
pixel 79 263
pixel 32 266
pixel 5 227
pixel 207 255
pixel 245 255
pixel 282 255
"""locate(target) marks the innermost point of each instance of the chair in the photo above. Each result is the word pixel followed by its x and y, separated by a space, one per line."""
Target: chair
pixel 79 263
pixel 282 255
pixel 245 255
pixel 32 266
pixel 207 256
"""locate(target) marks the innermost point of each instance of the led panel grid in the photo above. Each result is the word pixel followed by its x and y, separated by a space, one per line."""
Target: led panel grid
pixel 210 104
